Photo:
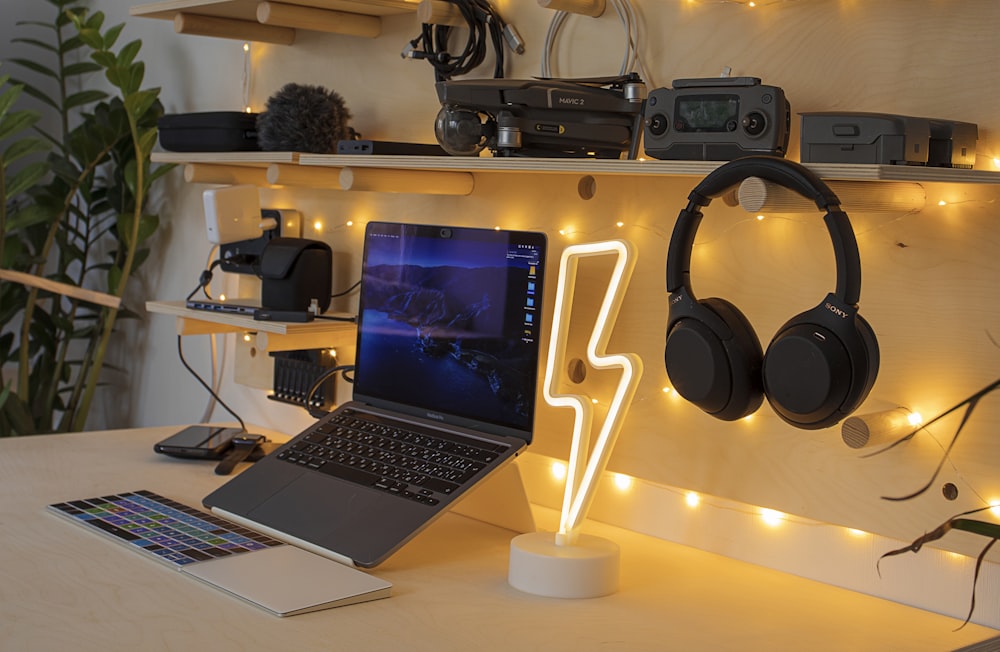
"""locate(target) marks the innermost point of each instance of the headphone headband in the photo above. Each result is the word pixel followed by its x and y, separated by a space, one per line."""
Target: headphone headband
pixel 787 174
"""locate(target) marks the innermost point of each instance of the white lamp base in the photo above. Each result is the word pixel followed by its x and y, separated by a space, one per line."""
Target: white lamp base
pixel 587 569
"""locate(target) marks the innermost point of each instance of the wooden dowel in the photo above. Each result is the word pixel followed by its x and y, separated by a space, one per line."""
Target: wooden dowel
pixel 241 30
pixel 876 428
pixel 283 174
pixel 64 289
pixel 230 175
pixel 437 12
pixel 585 7
pixel 424 182
pixel 318 20
pixel 756 195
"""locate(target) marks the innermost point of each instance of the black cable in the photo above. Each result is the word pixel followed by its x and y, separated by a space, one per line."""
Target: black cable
pixel 325 376
pixel 180 353
pixel 483 22
pixel 347 291
pixel 352 320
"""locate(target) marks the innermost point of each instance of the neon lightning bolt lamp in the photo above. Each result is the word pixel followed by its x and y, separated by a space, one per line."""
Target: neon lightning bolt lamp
pixel 567 563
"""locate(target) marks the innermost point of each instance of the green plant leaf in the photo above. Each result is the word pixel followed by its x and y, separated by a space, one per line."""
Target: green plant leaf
pixel 80 68
pixel 128 52
pixel 35 67
pixel 17 413
pixel 138 103
pixel 26 177
pixel 83 98
pixel 23 147
pixel 16 121
pixel 9 96
pixel 36 43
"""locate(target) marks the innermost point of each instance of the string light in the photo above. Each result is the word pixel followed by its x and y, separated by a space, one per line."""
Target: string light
pixel 771 516
pixel 559 470
pixel 317 225
pixel 246 77
pixel 914 419
pixel 692 499
pixel 622 481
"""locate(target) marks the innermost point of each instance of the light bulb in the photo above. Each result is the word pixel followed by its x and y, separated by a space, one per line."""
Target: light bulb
pixel 692 499
pixel 771 516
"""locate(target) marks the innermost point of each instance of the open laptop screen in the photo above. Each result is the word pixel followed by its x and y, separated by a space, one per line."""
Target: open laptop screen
pixel 449 324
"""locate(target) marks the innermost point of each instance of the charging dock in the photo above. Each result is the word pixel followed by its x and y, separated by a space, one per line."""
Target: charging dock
pixel 242 257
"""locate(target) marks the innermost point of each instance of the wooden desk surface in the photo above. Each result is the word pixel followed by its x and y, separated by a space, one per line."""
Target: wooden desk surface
pixel 62 587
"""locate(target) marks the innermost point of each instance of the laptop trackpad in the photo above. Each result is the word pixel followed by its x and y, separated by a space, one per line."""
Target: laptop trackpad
pixel 287 580
pixel 303 508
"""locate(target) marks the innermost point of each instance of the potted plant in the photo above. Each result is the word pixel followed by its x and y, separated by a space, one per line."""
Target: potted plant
pixel 73 226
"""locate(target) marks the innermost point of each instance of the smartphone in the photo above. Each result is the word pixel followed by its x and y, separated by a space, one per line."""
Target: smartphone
pixel 199 442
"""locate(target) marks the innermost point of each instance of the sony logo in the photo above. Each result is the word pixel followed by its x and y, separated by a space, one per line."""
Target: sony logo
pixel 571 100
pixel 835 310
pixel 675 299
pixel 434 415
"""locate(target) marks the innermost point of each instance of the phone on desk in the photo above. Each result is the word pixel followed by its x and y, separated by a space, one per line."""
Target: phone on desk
pixel 199 442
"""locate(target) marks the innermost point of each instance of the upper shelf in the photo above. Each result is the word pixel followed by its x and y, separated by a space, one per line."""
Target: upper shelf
pixel 274 22
pixel 449 175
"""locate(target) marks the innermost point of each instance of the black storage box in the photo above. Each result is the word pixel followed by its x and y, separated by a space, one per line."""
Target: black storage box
pixel 213 131
pixel 294 272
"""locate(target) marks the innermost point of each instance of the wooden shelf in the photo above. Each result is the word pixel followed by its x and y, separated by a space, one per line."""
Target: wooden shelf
pixel 269 335
pixel 328 170
pixel 274 22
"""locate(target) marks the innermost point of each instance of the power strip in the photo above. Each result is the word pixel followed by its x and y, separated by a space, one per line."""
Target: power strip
pixel 296 371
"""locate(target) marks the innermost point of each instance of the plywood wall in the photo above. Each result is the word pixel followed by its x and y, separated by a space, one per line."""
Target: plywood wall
pixel 930 286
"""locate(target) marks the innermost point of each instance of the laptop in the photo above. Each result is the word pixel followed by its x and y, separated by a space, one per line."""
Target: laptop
pixel 443 397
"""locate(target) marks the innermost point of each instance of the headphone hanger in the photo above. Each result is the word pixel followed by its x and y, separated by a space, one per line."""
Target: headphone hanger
pixel 820 365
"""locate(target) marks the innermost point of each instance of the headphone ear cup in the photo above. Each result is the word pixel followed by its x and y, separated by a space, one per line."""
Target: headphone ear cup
pixel 820 366
pixel 713 358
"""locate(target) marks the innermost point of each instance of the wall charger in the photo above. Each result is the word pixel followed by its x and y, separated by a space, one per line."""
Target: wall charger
pixel 233 214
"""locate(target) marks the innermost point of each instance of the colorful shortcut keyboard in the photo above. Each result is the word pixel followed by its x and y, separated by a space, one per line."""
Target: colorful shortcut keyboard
pixel 164 529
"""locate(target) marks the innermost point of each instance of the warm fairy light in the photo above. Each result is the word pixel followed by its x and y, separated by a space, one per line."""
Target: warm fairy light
pixel 318 225
pixel 332 353
pixel 751 4
pixel 246 46
pixel 760 217
pixel 914 419
pixel 559 470
pixel 222 297
pixel 942 203
pixel 996 162
pixel 619 224
pixel 496 228
pixel 246 337
pixel 747 418
pixel 622 481
pixel 771 516
pixel 350 222
pixel 692 499
pixel 854 532
pixel 995 506
pixel 594 401
pixel 666 390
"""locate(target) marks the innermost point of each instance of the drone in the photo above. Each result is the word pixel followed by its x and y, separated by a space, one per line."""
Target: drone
pixel 559 118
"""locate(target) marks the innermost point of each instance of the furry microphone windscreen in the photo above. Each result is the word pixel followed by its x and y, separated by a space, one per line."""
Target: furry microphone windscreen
pixel 301 118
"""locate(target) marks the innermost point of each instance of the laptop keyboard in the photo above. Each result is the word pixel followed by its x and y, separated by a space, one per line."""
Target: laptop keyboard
pixel 162 528
pixel 401 459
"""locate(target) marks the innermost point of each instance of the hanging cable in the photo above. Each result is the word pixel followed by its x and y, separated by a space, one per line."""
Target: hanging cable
pixel 180 354
pixel 485 25
pixel 631 60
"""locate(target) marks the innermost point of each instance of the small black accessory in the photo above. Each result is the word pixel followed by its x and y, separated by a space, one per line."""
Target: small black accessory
pixel 198 442
pixel 296 273
pixel 716 119
pixel 819 366
pixel 211 131
pixel 243 448
pixel 302 118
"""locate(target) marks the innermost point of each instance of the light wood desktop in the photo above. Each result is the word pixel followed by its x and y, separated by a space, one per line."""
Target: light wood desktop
pixel 62 587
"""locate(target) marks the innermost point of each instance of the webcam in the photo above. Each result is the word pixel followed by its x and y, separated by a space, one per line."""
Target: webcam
pixel 445 233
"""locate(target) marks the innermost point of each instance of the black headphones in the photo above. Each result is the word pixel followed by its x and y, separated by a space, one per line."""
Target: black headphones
pixel 819 366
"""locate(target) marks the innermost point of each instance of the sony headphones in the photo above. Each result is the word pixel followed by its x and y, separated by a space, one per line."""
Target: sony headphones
pixel 819 366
